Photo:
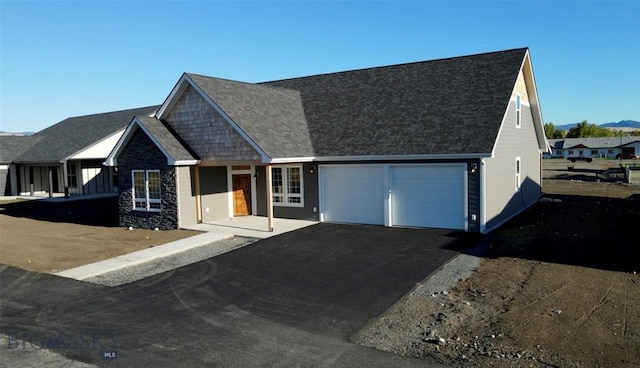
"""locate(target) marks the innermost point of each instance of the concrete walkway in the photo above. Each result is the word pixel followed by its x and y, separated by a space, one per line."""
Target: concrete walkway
pixel 251 226
pixel 217 238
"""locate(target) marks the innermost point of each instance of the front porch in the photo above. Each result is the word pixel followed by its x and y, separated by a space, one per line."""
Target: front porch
pixel 251 226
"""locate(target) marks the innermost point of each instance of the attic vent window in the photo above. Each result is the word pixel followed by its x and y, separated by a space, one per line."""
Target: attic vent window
pixel 518 110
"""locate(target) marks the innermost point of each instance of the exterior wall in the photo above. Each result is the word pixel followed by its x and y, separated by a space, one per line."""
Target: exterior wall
pixel 214 193
pixel 310 211
pixel 206 131
pixel 186 196
pixel 502 201
pixel 40 179
pixel 473 196
pixel 142 154
pixel 521 88
pixel 5 181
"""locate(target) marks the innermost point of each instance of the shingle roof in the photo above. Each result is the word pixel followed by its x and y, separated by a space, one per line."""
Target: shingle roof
pixel 12 146
pixel 445 106
pixel 603 142
pixel 71 135
pixel 272 117
pixel 166 138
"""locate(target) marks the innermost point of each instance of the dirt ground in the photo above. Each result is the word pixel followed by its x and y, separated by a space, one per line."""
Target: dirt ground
pixel 51 237
pixel 557 287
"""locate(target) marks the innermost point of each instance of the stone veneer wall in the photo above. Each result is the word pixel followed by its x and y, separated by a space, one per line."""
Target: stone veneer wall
pixel 142 154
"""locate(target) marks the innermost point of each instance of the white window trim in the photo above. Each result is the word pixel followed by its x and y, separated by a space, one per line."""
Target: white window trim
pixel 72 167
pixel 146 198
pixel 518 172
pixel 518 110
pixel 285 183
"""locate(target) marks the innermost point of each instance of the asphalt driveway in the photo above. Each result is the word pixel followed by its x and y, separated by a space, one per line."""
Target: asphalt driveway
pixel 290 300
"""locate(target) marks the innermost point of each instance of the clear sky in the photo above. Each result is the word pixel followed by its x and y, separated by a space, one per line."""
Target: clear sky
pixel 62 59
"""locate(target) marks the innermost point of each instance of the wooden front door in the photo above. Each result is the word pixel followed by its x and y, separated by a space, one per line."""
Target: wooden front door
pixel 241 194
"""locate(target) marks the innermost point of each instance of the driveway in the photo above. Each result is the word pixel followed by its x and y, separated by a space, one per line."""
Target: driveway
pixel 290 300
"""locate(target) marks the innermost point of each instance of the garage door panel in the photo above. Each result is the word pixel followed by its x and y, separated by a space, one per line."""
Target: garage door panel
pixel 428 196
pixel 353 194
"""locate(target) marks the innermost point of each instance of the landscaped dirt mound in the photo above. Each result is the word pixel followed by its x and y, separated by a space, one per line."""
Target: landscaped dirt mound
pixel 558 286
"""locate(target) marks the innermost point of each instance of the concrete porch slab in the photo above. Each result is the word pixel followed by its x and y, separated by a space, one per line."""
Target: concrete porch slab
pixel 251 226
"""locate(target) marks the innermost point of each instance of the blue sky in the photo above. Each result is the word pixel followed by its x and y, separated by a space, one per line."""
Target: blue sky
pixel 63 59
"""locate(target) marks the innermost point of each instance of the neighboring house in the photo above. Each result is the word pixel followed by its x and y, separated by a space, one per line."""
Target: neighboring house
pixel 608 147
pixel 11 146
pixel 67 157
pixel 452 143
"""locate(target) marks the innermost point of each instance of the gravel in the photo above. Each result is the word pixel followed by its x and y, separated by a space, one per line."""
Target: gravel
pixel 171 262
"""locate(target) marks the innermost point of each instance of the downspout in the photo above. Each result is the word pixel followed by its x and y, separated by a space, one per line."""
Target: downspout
pixel 198 196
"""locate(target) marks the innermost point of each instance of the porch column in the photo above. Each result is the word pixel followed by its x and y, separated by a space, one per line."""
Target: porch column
pixel 269 200
pixel 50 172
pixel 196 174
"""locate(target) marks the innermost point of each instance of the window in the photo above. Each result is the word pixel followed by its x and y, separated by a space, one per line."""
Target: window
pixel 558 152
pixel 286 183
pixel 594 152
pixel 114 177
pixel 610 151
pixel 571 152
pixel 518 110
pixel 518 168
pixel 72 174
pixel 146 190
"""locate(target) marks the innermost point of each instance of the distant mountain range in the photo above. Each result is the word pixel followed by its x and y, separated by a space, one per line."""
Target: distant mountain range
pixel 621 125
pixel 2 133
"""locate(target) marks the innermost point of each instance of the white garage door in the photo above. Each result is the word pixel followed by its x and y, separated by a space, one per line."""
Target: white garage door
pixel 352 194
pixel 419 195
pixel 428 196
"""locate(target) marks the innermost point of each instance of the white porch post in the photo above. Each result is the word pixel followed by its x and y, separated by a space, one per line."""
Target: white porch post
pixel 269 200
pixel 50 175
pixel 196 174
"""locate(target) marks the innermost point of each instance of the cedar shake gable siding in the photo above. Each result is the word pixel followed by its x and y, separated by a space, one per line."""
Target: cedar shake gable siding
pixel 206 132
pixel 272 117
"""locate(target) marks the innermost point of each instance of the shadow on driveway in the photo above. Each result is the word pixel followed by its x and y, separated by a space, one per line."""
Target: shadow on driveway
pixel 290 300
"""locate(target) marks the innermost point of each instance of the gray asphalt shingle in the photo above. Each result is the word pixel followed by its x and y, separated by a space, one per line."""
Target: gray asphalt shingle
pixel 166 138
pixel 446 106
pixel 71 135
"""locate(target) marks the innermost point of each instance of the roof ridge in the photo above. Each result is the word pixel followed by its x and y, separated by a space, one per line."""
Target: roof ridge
pixel 262 85
pixel 114 112
pixel 380 67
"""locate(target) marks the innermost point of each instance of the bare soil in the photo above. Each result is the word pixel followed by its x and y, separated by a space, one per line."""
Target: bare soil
pixel 51 237
pixel 558 286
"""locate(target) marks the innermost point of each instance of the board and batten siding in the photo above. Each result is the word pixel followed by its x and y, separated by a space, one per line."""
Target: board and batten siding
pixel 206 131
pixel 502 201
pixel 186 197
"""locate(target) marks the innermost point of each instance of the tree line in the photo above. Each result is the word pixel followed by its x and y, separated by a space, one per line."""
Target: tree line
pixel 585 130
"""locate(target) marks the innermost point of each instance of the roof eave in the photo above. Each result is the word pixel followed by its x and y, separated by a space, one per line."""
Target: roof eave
pixel 455 156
